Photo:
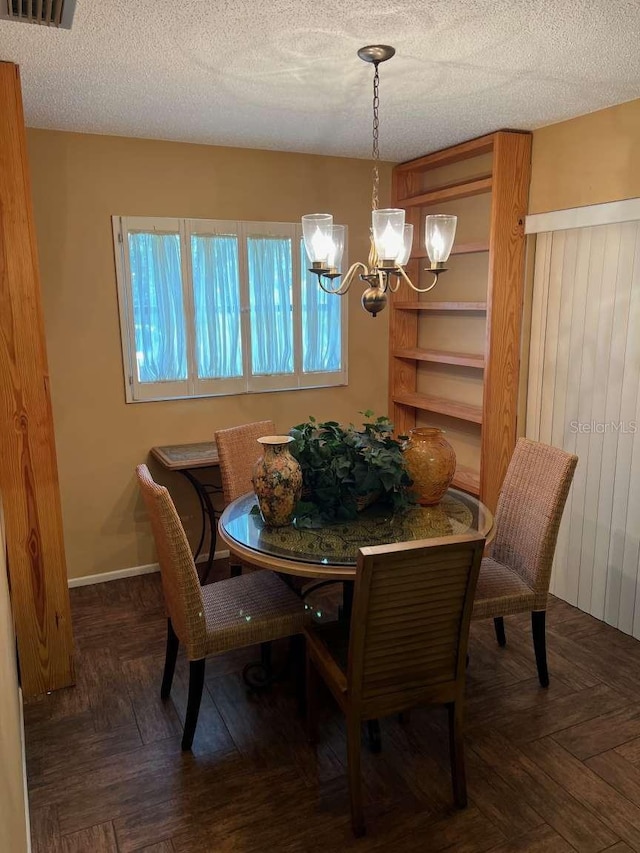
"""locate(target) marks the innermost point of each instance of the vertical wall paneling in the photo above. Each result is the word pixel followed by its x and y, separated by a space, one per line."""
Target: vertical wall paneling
pixel 538 327
pixel 583 395
pixel 28 466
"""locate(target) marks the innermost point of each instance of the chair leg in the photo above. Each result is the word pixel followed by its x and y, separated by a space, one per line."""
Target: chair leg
pixel 456 750
pixel 498 624
pixel 169 661
pixel 355 778
pixel 311 684
pixel 538 619
pixel 196 683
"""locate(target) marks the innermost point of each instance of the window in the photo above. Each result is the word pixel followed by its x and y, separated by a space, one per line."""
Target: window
pixel 212 307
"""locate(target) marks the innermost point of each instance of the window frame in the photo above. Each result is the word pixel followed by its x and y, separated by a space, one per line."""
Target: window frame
pixel 193 387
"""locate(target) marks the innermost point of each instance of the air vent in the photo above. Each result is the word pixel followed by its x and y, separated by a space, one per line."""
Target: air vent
pixel 51 13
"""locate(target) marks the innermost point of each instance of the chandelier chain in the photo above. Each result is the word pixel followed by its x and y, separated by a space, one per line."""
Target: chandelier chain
pixel 375 151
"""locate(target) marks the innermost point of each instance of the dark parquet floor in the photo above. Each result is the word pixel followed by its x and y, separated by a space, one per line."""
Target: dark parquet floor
pixel 548 770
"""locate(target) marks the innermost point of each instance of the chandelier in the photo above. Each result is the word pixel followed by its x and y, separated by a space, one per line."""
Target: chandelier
pixel 391 238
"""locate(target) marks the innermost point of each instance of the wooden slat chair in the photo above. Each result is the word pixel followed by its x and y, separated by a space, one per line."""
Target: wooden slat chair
pixel 515 577
pixel 407 645
pixel 230 614
pixel 238 451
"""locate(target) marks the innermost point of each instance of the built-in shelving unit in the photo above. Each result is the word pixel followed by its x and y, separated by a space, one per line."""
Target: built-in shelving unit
pixel 480 307
pixel 462 189
pixel 467 479
pixel 440 357
pixel 478 365
pixel 451 408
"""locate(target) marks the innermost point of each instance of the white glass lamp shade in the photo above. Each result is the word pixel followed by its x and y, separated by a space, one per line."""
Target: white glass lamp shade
pixel 407 244
pixel 388 233
pixel 439 233
pixel 316 231
pixel 336 248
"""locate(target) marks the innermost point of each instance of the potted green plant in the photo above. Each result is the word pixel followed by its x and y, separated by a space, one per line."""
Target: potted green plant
pixel 344 468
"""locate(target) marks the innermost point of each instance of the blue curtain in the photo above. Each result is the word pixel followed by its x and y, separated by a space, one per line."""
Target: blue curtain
pixel 158 310
pixel 321 324
pixel 270 295
pixel 216 296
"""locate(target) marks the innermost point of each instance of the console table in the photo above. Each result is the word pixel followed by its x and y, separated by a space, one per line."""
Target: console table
pixel 185 459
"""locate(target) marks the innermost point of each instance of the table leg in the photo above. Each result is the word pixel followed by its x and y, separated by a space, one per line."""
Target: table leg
pixel 347 601
pixel 208 512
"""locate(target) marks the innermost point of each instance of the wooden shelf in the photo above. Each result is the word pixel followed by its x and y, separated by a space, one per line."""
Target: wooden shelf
pixel 459 249
pixel 463 151
pixel 474 307
pixel 461 189
pixel 462 359
pixel 467 479
pixel 426 403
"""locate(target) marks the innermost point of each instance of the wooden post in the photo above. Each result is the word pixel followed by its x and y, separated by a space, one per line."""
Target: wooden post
pixel 28 469
pixel 511 171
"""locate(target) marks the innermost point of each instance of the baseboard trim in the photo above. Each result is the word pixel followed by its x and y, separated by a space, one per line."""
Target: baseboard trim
pixel 103 577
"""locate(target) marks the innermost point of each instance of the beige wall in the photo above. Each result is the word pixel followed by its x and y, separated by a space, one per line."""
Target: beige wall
pixel 79 182
pixel 13 821
pixel 591 159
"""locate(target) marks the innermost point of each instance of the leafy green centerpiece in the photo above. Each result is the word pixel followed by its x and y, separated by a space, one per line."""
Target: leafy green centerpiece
pixel 344 468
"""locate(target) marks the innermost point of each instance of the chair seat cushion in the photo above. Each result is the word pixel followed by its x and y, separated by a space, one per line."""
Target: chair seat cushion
pixel 500 591
pixel 252 608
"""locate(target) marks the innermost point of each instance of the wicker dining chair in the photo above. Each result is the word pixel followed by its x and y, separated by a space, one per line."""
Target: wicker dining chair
pixel 238 451
pixel 230 614
pixel 515 577
pixel 406 646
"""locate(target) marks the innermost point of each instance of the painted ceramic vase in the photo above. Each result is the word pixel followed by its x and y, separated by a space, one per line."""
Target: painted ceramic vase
pixel 431 463
pixel 277 480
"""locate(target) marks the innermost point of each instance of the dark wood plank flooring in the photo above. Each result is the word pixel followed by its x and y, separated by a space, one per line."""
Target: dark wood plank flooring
pixel 549 771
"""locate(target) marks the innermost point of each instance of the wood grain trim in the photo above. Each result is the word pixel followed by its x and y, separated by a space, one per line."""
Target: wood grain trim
pixel 476 307
pixel 28 467
pixel 440 357
pixel 452 408
pixel 505 293
pixel 464 151
pixel 462 189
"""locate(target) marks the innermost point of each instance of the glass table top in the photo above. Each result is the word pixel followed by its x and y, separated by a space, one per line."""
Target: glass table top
pixel 337 544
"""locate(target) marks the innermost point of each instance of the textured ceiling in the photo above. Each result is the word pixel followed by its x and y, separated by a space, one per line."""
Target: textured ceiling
pixel 283 74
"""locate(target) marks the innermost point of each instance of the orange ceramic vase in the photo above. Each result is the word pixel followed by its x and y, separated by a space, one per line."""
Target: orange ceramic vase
pixel 277 480
pixel 431 463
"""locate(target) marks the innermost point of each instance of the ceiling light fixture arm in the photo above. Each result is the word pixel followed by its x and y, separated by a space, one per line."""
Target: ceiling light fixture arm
pixel 347 279
pixel 434 272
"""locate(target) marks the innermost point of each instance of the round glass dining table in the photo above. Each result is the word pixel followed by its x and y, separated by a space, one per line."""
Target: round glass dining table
pixel 331 551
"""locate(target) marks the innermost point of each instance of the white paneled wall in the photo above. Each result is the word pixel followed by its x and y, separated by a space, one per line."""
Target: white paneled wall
pixel 584 396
